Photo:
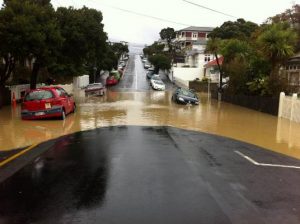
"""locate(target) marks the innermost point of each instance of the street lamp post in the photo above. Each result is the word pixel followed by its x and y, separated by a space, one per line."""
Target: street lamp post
pixel 95 69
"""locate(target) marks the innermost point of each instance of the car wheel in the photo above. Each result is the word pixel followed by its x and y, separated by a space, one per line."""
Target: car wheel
pixel 63 115
pixel 74 108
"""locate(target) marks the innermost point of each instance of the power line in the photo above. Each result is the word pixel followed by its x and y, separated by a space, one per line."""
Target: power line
pixel 213 10
pixel 144 15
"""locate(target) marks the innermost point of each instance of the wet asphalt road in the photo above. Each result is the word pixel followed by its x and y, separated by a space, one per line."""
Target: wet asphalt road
pixel 134 78
pixel 131 174
pixel 138 174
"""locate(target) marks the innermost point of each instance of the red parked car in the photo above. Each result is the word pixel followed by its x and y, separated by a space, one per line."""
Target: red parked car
pixel 111 80
pixel 47 102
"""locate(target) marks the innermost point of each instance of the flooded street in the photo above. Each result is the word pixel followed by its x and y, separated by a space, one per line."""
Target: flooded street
pixel 135 156
pixel 133 102
pixel 155 108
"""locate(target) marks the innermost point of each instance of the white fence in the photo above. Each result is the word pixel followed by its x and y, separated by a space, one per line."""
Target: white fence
pixel 81 81
pixel 20 90
pixel 68 87
pixel 289 107
pixel 78 82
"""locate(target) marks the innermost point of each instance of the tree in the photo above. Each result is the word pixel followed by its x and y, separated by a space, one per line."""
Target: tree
pixel 292 17
pixel 239 29
pixel 119 49
pixel 28 30
pixel 160 61
pixel 214 46
pixel 168 34
pixel 276 42
pixel 155 48
pixel 85 46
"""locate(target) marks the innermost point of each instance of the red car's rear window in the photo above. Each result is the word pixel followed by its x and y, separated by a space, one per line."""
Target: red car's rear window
pixel 39 95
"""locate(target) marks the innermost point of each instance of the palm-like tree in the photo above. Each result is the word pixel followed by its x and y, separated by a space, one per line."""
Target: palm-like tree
pixel 214 46
pixel 277 42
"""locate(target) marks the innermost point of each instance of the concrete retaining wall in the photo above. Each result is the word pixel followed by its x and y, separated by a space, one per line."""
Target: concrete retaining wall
pixel 203 87
pixel 187 74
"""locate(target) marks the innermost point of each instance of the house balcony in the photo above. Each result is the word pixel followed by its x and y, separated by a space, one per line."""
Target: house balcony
pixel 183 38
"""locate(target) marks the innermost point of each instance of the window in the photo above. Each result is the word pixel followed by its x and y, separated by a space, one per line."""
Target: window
pixel 207 58
pixel 39 95
pixel 61 92
pixel 202 35
pixel 182 34
pixel 64 92
pixel 195 35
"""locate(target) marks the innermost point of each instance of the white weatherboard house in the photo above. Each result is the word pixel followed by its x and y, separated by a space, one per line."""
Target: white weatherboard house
pixel 193 41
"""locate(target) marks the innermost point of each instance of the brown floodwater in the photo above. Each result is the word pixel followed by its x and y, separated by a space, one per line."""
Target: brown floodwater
pixel 155 108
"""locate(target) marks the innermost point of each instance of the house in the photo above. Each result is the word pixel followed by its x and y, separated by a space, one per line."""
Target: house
pixel 192 40
pixel 292 72
pixel 187 37
pixel 211 69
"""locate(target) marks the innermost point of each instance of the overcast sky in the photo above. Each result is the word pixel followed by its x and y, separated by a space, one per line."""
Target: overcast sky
pixel 122 25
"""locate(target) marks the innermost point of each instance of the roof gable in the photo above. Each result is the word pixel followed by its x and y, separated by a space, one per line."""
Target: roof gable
pixel 197 28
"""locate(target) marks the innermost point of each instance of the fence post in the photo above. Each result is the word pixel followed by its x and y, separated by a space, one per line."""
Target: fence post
pixel 281 98
pixel 294 98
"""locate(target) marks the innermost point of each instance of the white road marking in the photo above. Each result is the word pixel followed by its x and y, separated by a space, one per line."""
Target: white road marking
pixel 136 61
pixel 265 164
pixel 136 79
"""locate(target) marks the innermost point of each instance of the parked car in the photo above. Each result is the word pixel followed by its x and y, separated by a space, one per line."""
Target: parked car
pixel 47 102
pixel 154 77
pixel 151 68
pixel 185 96
pixel 147 65
pixel 122 64
pixel 157 84
pixel 111 80
pixel 144 60
pixel 149 74
pixel 95 89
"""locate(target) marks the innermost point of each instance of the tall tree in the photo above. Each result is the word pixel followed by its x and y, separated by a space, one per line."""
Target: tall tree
pixel 292 17
pixel 160 61
pixel 237 62
pixel 27 30
pixel 214 46
pixel 119 49
pixel 33 26
pixel 168 34
pixel 277 42
pixel 239 29
pixel 155 48
pixel 85 45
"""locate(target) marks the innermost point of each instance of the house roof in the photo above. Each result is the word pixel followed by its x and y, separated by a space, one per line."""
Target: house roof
pixel 294 59
pixel 197 28
pixel 296 55
pixel 214 62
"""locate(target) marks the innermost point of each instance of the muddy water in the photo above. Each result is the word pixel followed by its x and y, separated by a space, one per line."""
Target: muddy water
pixel 155 108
